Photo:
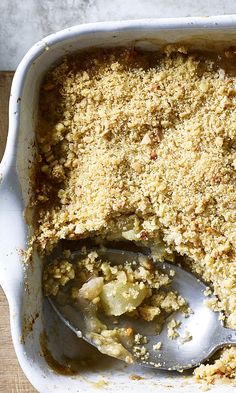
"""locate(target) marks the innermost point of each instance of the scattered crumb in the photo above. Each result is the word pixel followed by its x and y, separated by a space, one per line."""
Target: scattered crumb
pixel 186 337
pixel 172 327
pixel 141 353
pixel 208 292
pixel 157 346
pixel 140 339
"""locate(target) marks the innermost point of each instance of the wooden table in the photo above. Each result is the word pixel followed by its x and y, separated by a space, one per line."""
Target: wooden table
pixel 12 379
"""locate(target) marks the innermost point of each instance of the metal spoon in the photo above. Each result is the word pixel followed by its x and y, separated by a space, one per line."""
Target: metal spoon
pixel 204 326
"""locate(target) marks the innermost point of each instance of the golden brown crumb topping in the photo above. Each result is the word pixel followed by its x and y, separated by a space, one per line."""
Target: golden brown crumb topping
pixel 142 146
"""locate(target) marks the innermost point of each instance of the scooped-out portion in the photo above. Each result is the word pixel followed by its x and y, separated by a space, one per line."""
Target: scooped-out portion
pixel 141 146
pixel 137 290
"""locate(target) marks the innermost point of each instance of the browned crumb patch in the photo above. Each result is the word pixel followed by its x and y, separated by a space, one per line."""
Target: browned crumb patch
pixel 51 361
pixel 136 377
pixel 28 325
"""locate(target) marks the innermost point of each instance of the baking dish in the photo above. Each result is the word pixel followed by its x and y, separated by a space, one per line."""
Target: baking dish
pixel 30 314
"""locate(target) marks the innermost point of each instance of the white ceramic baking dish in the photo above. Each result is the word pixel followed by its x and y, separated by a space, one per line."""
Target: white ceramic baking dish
pixel 29 314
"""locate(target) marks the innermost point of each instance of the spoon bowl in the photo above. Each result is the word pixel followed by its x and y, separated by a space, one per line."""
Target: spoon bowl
pixel 201 332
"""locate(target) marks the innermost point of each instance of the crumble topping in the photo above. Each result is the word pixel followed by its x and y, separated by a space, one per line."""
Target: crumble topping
pixel 141 146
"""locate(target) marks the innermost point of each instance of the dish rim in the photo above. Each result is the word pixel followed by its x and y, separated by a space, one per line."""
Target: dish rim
pixel 9 157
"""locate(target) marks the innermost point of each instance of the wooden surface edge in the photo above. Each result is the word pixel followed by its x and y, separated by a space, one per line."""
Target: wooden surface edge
pixel 12 379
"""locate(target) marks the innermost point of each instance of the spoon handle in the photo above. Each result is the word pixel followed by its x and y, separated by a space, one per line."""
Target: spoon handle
pixel 225 336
